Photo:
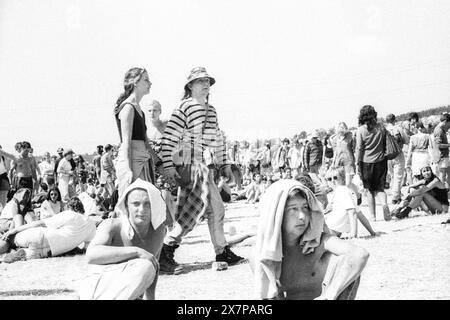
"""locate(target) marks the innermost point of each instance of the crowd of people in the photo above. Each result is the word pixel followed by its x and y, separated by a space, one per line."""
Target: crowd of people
pixel 129 209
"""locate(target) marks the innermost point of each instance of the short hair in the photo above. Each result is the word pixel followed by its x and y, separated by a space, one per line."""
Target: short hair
pixel 297 193
pixel 286 140
pixel 390 118
pixel 26 144
pixel 18 146
pixel 99 147
pixel 76 205
pixel 305 179
pixel 338 171
pixel 445 117
pixel 108 147
pixel 44 186
pixel 413 115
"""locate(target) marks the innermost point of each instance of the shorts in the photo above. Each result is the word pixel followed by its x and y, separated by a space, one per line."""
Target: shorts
pixel 444 163
pixel 373 175
pixel 24 182
pixel 4 182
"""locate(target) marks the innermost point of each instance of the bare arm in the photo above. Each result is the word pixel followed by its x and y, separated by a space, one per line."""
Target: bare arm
pixel 100 250
pixel 353 222
pixel 7 155
pixel 354 261
pixel 126 117
pixel 34 224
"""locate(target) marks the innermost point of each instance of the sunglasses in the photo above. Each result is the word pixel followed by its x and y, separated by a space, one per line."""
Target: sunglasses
pixel 332 178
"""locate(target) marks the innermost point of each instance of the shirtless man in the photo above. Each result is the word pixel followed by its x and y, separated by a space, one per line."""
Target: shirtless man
pixel 97 162
pixel 23 171
pixel 128 247
pixel 304 260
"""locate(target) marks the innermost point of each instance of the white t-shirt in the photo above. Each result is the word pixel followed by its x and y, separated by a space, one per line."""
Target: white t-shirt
pixel 89 203
pixel 295 156
pixel 67 230
pixel 342 200
pixel 49 209
pixel 9 211
pixel 44 166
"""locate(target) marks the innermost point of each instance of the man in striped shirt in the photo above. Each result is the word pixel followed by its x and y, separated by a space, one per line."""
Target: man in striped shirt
pixel 193 128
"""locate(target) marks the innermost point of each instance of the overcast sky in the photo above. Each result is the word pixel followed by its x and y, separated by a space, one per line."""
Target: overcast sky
pixel 281 66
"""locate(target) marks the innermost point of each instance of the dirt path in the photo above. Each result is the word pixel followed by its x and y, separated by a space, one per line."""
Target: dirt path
pixel 410 260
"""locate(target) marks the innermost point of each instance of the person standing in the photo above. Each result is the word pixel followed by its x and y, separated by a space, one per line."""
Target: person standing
pixel 371 160
pixel 281 157
pixel 5 186
pixel 441 141
pixel 108 172
pixel 96 162
pixel 47 170
pixel 194 127
pixel 65 175
pixel 295 157
pixel 343 151
pixel 396 166
pixel 313 155
pixel 134 156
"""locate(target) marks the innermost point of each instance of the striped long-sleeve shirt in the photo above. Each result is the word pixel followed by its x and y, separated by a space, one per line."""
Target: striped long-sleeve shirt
pixel 185 128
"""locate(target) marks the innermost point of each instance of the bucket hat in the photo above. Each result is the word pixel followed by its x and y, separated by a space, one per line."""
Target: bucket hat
pixel 197 73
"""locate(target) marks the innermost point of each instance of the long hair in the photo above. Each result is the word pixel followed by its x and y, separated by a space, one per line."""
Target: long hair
pixel 188 93
pixel 368 116
pixel 131 77
pixel 57 191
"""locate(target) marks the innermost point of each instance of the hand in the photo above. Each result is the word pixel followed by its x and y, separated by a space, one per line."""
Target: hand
pixel 129 176
pixel 8 235
pixel 228 173
pixel 144 254
pixel 172 175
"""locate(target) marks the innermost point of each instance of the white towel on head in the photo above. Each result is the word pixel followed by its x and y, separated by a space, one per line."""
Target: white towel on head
pixel 157 203
pixel 269 251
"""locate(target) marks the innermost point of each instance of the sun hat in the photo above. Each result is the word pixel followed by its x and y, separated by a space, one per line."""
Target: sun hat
pixel 68 151
pixel 197 73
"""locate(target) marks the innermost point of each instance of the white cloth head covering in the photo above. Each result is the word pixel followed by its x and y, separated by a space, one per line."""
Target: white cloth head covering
pixel 269 249
pixel 157 204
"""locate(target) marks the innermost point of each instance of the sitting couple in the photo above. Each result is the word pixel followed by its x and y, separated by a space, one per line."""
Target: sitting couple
pixel 297 256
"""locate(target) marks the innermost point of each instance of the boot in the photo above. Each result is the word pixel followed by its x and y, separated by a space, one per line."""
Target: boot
pixel 403 213
pixel 167 263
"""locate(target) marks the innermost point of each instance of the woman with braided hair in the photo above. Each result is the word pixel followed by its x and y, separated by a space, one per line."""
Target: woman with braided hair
pixel 135 154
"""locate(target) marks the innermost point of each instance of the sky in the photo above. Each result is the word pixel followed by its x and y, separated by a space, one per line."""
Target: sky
pixel 280 66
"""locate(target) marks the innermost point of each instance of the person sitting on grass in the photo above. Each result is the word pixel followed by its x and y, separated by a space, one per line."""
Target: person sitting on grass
pixel 125 250
pixel 52 205
pixel 296 256
pixel 255 189
pixel 49 237
pixel 17 211
pixel 342 213
pixel 429 189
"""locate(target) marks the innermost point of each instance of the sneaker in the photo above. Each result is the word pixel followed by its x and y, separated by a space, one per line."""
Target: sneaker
pixel 167 263
pixel 228 256
pixel 403 213
pixel 18 255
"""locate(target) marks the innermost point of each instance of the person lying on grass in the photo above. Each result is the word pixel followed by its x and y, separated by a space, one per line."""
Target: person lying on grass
pixel 296 256
pixel 49 237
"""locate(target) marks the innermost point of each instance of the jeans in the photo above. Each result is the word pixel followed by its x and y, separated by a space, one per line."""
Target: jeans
pixel 215 214
pixel 396 170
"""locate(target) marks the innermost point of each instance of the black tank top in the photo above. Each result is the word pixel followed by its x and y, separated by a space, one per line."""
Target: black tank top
pixel 139 128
